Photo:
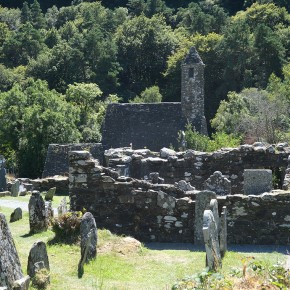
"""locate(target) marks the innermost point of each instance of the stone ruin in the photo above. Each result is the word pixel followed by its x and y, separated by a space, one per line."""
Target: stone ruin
pixel 167 212
pixel 11 276
pixel 218 183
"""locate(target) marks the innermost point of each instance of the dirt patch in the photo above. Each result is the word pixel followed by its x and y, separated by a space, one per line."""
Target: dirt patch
pixel 122 246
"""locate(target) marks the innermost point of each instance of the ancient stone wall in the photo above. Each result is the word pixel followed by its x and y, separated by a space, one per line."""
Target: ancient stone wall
pixel 56 162
pixel 163 212
pixel 196 167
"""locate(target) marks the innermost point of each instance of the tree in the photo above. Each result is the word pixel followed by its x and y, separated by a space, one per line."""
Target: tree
pixel 25 13
pixel 253 113
pixel 32 117
pixel 143 47
pixel 150 95
pixel 37 17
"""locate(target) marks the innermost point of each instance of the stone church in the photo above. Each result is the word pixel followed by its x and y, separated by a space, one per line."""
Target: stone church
pixel 157 125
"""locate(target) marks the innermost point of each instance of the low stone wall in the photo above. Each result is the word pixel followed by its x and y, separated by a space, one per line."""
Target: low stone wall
pixel 57 163
pixel 196 167
pixel 163 212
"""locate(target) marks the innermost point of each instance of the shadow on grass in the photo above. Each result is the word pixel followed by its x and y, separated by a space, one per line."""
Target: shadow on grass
pixel 30 234
pixel 68 240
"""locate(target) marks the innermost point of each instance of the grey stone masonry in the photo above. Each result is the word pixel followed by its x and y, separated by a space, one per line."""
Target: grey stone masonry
pixel 37 258
pixel 38 220
pixel 15 188
pixel 10 268
pixel 202 202
pixel 192 90
pixel 286 183
pixel 218 183
pixel 257 181
pixel 211 240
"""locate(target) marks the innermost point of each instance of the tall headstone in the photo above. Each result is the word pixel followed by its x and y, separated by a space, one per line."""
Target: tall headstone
pixel 50 194
pixel 10 268
pixel 88 230
pixel 192 90
pixel 202 202
pixel 211 240
pixel 213 206
pixel 218 183
pixel 257 181
pixel 37 259
pixel 223 232
pixel 62 208
pixel 38 220
pixel 15 187
pixel 3 183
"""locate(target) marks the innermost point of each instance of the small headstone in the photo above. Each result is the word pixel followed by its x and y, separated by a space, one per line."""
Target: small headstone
pixel 202 203
pixel 15 188
pixel 10 268
pixel 257 181
pixel 37 214
pixel 223 232
pixel 22 190
pixel 218 183
pixel 16 215
pixel 37 258
pixel 50 194
pixel 62 208
pixel 210 234
pixel 88 231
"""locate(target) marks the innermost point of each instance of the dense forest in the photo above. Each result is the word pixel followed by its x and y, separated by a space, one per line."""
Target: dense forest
pixel 62 62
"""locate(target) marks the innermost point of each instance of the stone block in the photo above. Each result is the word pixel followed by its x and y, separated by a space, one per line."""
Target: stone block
pixel 16 215
pixel 257 181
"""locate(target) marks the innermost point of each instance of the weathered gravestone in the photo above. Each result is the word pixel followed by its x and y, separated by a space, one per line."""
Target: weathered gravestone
pixel 257 181
pixel 15 188
pixel 202 203
pixel 10 268
pixel 213 206
pixel 88 231
pixel 286 182
pixel 48 210
pixel 218 183
pixel 62 208
pixel 50 194
pixel 223 232
pixel 3 184
pixel 183 185
pixel 211 240
pixel 16 215
pixel 37 259
pixel 37 214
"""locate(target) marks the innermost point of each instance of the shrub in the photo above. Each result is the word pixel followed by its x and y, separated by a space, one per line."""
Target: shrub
pixel 67 226
pixel 41 279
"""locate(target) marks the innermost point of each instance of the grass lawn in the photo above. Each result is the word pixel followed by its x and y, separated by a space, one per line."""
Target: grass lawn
pixel 135 268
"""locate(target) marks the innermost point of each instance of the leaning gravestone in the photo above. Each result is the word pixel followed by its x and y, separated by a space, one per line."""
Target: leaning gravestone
pixel 202 203
pixel 16 215
pixel 15 188
pixel 37 259
pixel 218 183
pixel 211 240
pixel 50 194
pixel 10 268
pixel 88 231
pixel 257 181
pixel 223 231
pixel 37 214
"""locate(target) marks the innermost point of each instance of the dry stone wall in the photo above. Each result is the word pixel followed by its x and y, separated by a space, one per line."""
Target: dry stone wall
pixel 164 212
pixel 196 167
pixel 56 162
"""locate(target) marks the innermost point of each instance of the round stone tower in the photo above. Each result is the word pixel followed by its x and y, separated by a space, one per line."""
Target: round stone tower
pixel 192 91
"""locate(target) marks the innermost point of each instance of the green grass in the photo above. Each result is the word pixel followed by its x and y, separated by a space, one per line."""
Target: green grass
pixel 142 269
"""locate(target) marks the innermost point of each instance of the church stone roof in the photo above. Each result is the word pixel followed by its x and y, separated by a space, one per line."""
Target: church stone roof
pixel 192 57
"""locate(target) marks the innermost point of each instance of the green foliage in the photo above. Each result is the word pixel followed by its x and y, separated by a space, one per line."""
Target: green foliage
pixel 150 95
pixel 196 141
pixel 41 279
pixel 67 226
pixel 32 118
pixel 204 280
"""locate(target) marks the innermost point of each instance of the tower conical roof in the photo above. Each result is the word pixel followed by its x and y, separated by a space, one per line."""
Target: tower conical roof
pixel 192 57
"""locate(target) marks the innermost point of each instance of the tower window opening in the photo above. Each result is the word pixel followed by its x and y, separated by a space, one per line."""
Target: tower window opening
pixel 191 72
